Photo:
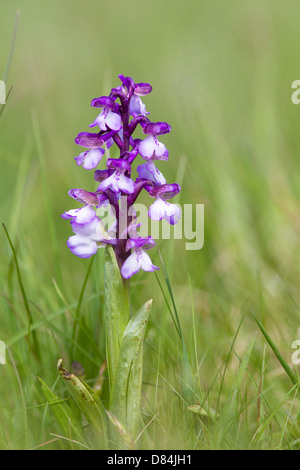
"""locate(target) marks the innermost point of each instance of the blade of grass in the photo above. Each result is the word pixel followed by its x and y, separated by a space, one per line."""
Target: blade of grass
pixel 227 361
pixel 18 200
pixel 24 296
pixel 22 393
pixel 229 414
pixel 276 351
pixel 47 320
pixel 172 297
pixel 265 424
pixel 186 365
pixel 47 196
pixel 12 46
pixel 77 312
pixel 167 303
pixel 195 339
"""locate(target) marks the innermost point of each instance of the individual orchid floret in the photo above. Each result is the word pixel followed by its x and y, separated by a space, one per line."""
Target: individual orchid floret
pixel 88 238
pixel 150 172
pixel 91 158
pixel 108 119
pixel 138 259
pixel 161 209
pixel 151 148
pixel 134 91
pixel 118 181
pixel 129 87
pixel 136 106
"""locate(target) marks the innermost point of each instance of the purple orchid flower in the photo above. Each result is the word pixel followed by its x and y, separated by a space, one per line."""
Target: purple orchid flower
pixel 151 148
pixel 138 259
pixel 83 215
pixel 88 238
pixel 108 119
pixel 91 158
pixel 118 181
pixel 117 123
pixel 161 209
pixel 150 172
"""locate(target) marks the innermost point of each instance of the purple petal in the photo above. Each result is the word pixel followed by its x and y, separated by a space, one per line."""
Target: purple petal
pixel 151 149
pixel 140 242
pixel 108 120
pixel 90 230
pixel 106 183
pixel 125 184
pixel 117 182
pixel 157 128
pixel 146 263
pixel 109 143
pixel 150 172
pixel 142 89
pixel 103 102
pixel 89 160
pixel 167 191
pixel 157 210
pixel 84 196
pixel 118 163
pixel 136 106
pixel 128 83
pixel 80 158
pixel 138 259
pixel 89 140
pixel 131 266
pixel 84 215
pixel 113 121
pixel 162 209
pixel 82 246
pixel 101 175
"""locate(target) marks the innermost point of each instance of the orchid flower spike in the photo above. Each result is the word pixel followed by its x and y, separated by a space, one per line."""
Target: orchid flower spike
pixel 121 112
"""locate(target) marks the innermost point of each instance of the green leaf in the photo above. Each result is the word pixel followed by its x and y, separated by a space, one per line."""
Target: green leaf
pixel 63 414
pixel 89 404
pixel 117 310
pixel 125 397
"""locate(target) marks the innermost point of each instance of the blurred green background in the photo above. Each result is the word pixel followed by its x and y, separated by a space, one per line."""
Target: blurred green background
pixel 221 74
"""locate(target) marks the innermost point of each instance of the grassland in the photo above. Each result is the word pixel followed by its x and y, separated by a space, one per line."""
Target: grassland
pixel 221 74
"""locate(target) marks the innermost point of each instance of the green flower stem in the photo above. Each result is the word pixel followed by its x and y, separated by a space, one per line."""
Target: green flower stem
pixel 117 305
pixel 124 349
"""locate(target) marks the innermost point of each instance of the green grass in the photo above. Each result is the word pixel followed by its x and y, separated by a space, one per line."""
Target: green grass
pixel 215 376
